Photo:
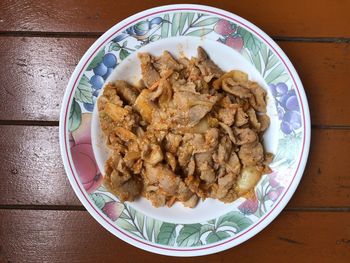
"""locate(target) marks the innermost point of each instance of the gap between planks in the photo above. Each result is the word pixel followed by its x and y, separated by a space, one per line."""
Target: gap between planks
pixel 98 34
pixel 82 208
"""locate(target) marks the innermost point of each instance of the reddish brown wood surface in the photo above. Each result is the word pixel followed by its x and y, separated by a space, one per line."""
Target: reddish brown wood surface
pixel 40 44
pixel 62 236
pixel 316 18
pixel 32 171
pixel 34 82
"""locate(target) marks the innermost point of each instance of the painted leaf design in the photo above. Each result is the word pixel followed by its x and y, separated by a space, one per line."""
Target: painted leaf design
pixel 205 228
pixel 189 235
pixel 206 22
pixel 200 32
pixel 175 24
pixel 167 234
pixel 271 61
pixel 256 61
pixel 157 226
pixel 275 73
pixel 98 200
pixel 97 59
pixel 289 147
pixel 154 38
pixel 114 47
pixel 250 41
pixel 132 212
pixel 140 218
pixel 165 27
pixel 123 54
pixel 190 18
pixel 149 228
pixel 234 217
pixel 84 91
pixel 212 221
pixel 199 243
pixel 74 116
pixel 124 215
pixel 126 225
pixel 216 236
pixel 282 78
pixel 182 22
pixel 230 224
pixel 265 53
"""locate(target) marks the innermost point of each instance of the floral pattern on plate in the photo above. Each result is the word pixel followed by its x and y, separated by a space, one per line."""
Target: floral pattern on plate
pixel 249 209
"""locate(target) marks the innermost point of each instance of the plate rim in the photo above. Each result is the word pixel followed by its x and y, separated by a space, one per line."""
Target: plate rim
pixel 250 231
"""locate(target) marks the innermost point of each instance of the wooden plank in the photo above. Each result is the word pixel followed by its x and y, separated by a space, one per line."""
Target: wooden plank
pixel 327 171
pixel 74 236
pixel 34 82
pixel 298 18
pixel 36 75
pixel 324 70
pixel 32 172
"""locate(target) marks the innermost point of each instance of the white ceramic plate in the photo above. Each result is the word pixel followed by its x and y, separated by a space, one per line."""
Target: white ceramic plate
pixel 233 43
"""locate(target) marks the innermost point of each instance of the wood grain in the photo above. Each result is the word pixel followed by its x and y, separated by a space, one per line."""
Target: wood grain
pixel 74 236
pixel 325 18
pixel 36 75
pixel 32 172
pixel 34 80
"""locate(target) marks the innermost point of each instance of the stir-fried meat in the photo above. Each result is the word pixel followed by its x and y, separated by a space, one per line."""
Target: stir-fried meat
pixel 207 67
pixel 190 132
pixel 149 74
pixel 241 117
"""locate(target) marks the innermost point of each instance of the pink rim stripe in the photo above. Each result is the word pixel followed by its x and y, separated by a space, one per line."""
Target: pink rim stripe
pixel 83 191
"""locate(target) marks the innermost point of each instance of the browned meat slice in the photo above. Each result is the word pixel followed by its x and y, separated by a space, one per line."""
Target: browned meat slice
pixel 149 73
pixel 227 115
pixel 109 95
pixel 211 138
pixel 196 113
pixel 207 173
pixel 126 92
pixel 172 142
pixel 223 152
pixel 264 121
pixel 182 85
pixel 251 154
pixel 192 202
pixel 225 183
pixel 124 185
pixel 183 192
pixel 241 117
pixel 253 119
pixel 193 107
pixel 152 153
pixel 229 131
pixel 234 88
pixel 145 106
pixel 258 101
pixel 233 164
pixel 245 136
pixel 171 160
pixel 157 198
pixel 207 67
pixel 166 62
pixel 184 154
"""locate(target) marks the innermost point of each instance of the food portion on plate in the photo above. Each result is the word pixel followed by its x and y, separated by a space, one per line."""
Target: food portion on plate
pixel 188 131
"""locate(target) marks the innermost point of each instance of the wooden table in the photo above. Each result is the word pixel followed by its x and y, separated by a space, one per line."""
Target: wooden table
pixel 41 220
